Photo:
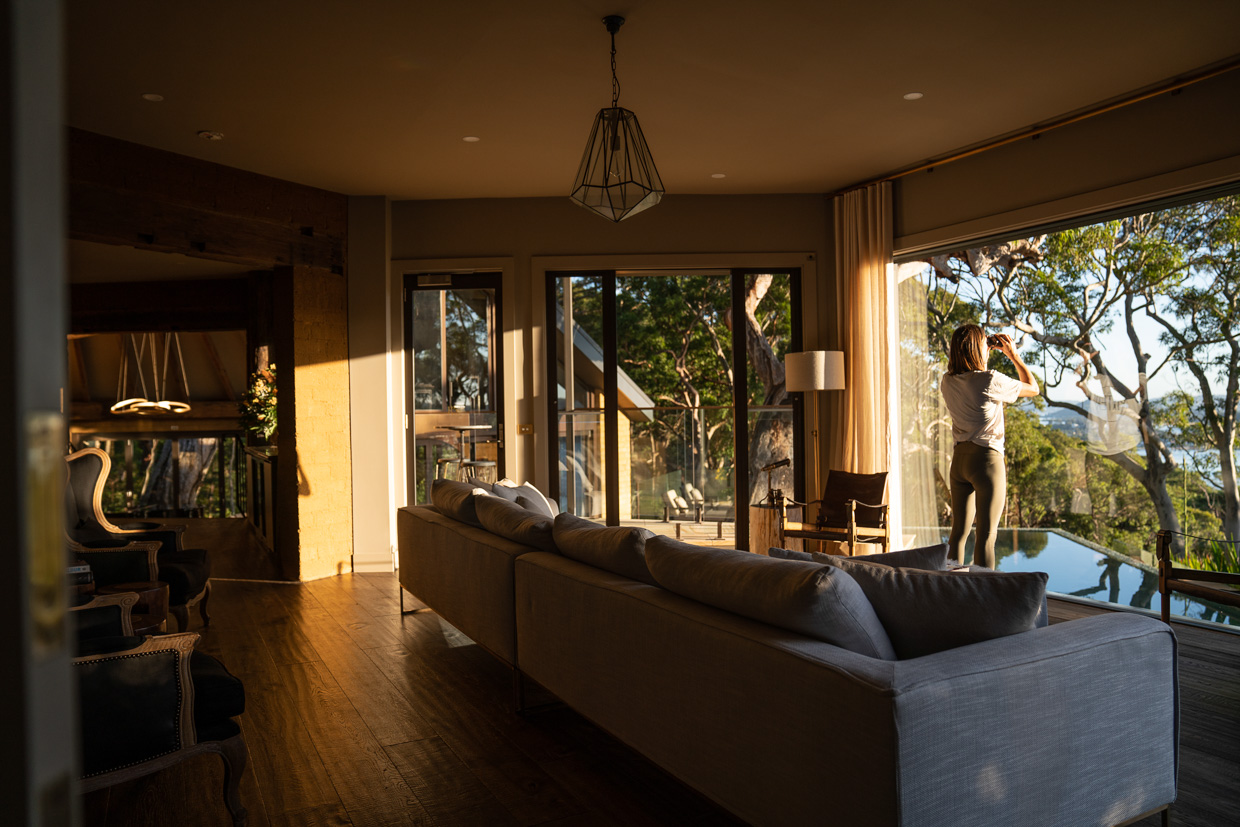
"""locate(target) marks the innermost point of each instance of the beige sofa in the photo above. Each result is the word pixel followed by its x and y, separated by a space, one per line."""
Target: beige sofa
pixel 782 729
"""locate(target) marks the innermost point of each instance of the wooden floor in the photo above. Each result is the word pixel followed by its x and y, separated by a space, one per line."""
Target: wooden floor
pixel 357 715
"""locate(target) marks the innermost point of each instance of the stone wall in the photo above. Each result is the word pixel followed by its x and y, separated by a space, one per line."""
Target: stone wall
pixel 318 453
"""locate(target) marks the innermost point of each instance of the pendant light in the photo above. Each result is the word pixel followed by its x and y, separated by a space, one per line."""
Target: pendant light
pixel 132 393
pixel 617 177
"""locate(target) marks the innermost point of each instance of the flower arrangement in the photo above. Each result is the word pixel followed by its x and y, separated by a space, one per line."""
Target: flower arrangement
pixel 258 406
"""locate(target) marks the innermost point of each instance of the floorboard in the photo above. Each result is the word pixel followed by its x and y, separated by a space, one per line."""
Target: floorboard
pixel 359 715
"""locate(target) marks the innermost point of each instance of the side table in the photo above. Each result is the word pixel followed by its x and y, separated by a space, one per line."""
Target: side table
pixel 150 614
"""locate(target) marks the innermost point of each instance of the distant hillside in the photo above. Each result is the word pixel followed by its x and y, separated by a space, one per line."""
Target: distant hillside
pixel 1064 421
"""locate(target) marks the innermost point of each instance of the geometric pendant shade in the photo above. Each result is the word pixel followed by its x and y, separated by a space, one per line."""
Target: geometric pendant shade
pixel 617 177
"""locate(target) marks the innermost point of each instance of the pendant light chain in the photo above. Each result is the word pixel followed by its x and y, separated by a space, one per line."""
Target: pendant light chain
pixel 615 84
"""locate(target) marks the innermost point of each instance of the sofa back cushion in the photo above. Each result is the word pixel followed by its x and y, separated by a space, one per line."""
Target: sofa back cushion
pixel 926 558
pixel 455 499
pixel 507 519
pixel 617 549
pixel 528 496
pixel 814 600
pixel 930 611
pixel 494 489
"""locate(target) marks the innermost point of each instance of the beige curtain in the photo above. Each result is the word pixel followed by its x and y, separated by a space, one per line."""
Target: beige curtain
pixel 860 427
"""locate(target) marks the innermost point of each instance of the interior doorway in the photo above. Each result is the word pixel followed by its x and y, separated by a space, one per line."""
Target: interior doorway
pixel 453 350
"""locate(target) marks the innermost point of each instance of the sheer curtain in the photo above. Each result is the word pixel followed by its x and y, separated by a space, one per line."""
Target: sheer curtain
pixel 861 436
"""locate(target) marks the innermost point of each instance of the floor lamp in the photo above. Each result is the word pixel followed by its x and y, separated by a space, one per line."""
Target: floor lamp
pixel 814 370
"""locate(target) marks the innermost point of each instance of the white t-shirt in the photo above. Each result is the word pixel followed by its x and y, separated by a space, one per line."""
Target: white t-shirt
pixel 975 400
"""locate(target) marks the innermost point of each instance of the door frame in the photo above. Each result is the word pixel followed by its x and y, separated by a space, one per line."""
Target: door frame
pixel 429 280
pixel 740 367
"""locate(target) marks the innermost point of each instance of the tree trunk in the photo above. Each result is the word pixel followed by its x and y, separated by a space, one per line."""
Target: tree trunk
pixel 160 493
pixel 771 437
pixel 1231 496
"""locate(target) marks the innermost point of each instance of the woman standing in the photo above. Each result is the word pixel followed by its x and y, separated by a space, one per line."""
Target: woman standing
pixel 975 398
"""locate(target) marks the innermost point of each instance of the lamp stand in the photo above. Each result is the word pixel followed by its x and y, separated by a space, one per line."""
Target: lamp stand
pixel 814 433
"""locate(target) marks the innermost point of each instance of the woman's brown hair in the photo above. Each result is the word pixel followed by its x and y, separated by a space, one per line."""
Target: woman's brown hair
pixel 968 350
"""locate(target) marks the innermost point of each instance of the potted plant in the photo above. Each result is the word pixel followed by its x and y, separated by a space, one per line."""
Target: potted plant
pixel 258 406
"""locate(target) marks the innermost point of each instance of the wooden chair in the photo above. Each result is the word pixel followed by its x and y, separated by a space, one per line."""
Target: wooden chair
pixel 852 510
pixel 187 571
pixel 1204 585
pixel 148 703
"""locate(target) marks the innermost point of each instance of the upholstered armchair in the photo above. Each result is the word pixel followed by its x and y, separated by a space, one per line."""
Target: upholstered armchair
pixel 186 571
pixel 148 703
pixel 852 510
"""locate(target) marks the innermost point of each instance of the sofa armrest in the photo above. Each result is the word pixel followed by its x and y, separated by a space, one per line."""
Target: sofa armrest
pixel 1077 722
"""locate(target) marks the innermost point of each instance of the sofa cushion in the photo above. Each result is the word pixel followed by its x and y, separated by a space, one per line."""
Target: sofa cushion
pixel 507 519
pixel 926 558
pixel 528 496
pixel 503 491
pixel 617 549
pixel 455 499
pixel 818 601
pixel 930 611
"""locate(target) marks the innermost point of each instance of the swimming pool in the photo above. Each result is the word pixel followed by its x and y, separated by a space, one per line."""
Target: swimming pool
pixel 1081 570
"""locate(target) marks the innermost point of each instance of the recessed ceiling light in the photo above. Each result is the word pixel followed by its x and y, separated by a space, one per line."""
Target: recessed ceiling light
pixel 471 139
pixel 718 175
pixel 211 135
pixel 914 96
pixel 152 97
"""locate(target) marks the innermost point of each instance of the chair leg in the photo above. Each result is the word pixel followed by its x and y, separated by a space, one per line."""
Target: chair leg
pixel 202 605
pixel 234 753
pixel 182 616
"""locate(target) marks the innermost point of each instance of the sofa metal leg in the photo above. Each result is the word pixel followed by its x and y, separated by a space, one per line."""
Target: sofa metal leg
pixel 1166 816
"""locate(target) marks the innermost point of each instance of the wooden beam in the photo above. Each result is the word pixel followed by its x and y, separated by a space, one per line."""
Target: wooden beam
pixel 126 193
pixel 204 304
pixel 209 409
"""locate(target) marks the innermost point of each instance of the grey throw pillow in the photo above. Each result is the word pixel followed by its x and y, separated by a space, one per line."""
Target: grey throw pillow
pixel 507 519
pixel 930 611
pixel 818 601
pixel 926 558
pixel 455 499
pixel 617 549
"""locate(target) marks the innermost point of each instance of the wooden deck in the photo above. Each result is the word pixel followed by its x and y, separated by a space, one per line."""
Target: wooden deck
pixel 357 715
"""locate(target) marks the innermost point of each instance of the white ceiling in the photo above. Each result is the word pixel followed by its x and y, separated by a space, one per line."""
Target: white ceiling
pixel 369 97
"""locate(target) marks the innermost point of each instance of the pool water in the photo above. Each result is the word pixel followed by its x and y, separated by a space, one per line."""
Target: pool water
pixel 1079 570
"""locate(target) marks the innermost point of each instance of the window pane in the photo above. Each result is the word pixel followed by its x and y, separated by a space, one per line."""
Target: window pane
pixel 1127 326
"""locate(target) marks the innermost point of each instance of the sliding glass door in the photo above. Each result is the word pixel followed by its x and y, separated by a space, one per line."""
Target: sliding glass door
pixel 665 409
pixel 452 350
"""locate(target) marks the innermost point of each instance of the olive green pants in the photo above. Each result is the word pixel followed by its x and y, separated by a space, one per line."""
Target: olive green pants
pixel 978 486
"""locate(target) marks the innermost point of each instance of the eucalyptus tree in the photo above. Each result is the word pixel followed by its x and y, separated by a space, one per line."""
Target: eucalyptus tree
pixel 1180 268
pixel 1201 332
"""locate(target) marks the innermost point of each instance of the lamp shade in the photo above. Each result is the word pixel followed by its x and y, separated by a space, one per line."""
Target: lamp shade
pixel 814 370
pixel 617 177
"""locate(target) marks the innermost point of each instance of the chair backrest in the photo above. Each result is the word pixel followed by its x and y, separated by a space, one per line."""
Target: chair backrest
pixel 864 488
pixel 88 472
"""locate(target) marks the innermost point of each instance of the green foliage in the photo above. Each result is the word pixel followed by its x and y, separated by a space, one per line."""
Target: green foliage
pixel 258 406
pixel 1218 555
